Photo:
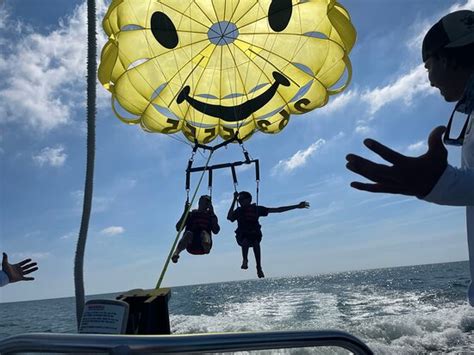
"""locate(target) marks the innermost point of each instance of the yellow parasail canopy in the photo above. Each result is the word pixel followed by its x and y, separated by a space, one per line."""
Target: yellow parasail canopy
pixel 214 67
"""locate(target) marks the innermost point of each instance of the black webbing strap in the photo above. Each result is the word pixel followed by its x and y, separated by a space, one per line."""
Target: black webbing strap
pixel 209 185
pixel 246 154
pixel 188 175
pixel 181 227
pixel 257 179
pixel 188 172
pixel 257 170
pixel 220 145
pixel 220 166
pixel 234 176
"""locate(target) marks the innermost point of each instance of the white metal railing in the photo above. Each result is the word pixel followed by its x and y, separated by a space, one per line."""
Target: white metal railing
pixel 195 343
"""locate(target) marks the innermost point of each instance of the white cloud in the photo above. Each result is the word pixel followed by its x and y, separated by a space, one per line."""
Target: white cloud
pixel 339 102
pixel 51 156
pixel 68 235
pixel 99 203
pixel 113 230
pixel 416 41
pixel 244 167
pixel 414 83
pixel 221 206
pixel 3 16
pixel 421 28
pixel 299 159
pixel 32 234
pixel 338 136
pixel 362 128
pixel 417 148
pixel 27 255
pixel 468 5
pixel 44 75
pixel 403 89
pixel 127 183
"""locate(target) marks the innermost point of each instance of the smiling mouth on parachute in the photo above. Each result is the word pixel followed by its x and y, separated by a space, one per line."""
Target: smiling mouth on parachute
pixel 238 112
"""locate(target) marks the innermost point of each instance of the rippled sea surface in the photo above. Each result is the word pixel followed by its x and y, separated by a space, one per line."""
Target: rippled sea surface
pixel 405 310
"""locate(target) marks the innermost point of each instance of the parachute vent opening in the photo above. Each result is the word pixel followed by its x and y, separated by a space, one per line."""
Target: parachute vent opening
pixel 131 27
pixel 123 113
pixel 316 34
pixel 258 87
pixel 207 96
pixel 304 68
pixel 233 96
pixel 165 112
pixel 342 82
pixel 301 92
pixel 137 62
pixel 158 90
pixel 270 114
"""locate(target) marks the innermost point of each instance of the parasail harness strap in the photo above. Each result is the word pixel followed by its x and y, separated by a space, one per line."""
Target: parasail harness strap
pixel 188 208
pixel 209 168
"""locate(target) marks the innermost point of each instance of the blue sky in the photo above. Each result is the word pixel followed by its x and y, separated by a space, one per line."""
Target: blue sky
pixel 139 181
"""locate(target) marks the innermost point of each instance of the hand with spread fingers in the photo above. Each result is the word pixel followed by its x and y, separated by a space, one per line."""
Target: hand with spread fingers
pixel 303 204
pixel 17 272
pixel 413 176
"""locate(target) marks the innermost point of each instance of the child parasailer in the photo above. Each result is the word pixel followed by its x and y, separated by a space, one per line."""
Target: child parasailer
pixel 248 232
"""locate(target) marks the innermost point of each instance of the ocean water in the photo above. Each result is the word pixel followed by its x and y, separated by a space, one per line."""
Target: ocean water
pixel 405 310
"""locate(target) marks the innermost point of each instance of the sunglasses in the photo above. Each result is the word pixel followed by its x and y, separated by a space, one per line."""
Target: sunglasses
pixel 460 139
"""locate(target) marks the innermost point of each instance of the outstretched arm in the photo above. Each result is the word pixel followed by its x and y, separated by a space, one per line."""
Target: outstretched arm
pixel 231 214
pixel 302 204
pixel 17 272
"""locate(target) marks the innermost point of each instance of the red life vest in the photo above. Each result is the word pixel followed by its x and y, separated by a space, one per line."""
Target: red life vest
pixel 248 219
pixel 197 222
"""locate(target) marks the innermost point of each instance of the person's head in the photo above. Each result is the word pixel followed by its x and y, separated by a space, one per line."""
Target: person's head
pixel 204 202
pixel 448 53
pixel 245 198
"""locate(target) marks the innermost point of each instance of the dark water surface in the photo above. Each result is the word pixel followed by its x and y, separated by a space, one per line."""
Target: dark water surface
pixel 405 310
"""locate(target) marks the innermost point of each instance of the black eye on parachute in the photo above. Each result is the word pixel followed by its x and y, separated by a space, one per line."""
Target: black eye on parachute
pixel 279 14
pixel 163 30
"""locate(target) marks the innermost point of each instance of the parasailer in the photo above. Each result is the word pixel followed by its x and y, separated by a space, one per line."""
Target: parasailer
pixel 199 226
pixel 249 231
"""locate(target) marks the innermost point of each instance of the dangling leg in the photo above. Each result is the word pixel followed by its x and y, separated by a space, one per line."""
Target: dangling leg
pixel 243 243
pixel 245 253
pixel 257 253
pixel 182 244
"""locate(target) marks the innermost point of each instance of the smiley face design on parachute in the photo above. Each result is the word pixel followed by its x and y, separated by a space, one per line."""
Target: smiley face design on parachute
pixel 211 68
pixel 223 33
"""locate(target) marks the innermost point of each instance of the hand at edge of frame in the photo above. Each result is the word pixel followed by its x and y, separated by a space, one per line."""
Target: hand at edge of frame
pixel 413 176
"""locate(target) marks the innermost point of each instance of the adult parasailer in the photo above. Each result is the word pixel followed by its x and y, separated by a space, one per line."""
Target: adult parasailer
pixel 199 225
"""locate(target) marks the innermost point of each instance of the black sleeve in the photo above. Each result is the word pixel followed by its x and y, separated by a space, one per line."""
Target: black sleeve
pixel 181 221
pixel 234 215
pixel 215 228
pixel 262 211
